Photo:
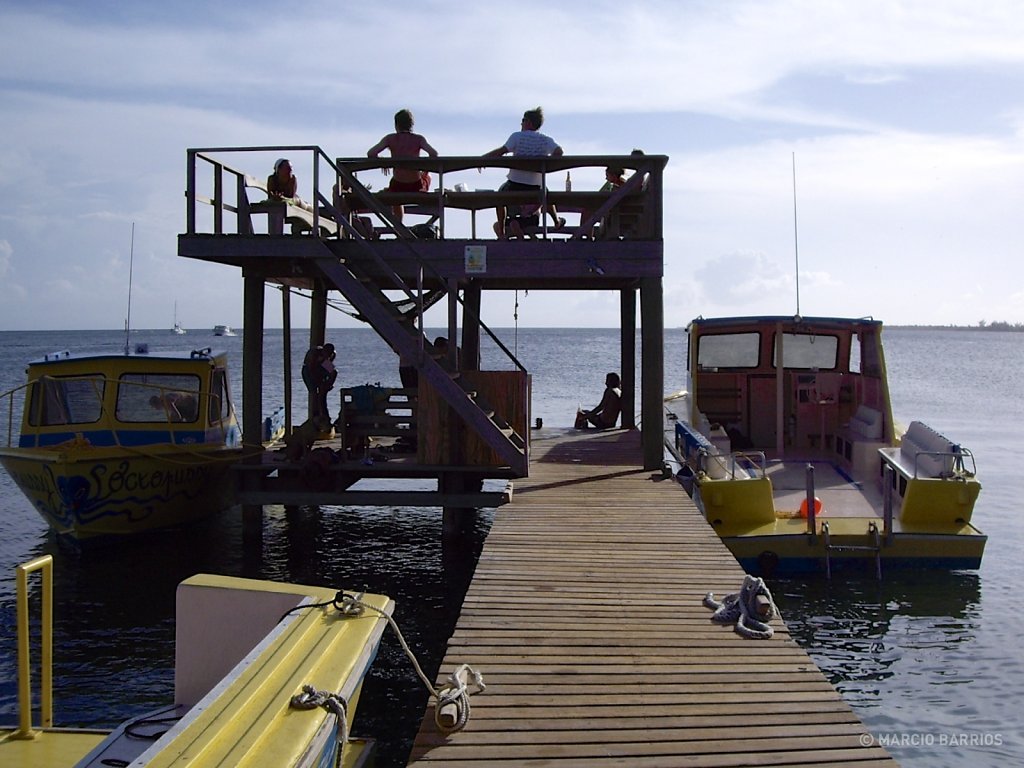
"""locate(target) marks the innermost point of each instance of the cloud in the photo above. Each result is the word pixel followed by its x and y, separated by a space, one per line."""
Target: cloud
pixel 103 104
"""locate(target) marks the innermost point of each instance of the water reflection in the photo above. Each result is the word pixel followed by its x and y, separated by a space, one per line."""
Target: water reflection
pixel 848 625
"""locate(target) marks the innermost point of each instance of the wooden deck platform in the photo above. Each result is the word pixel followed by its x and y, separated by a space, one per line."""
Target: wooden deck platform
pixel 585 618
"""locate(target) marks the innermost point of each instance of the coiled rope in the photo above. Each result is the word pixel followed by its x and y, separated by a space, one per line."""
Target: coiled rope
pixel 745 609
pixel 451 701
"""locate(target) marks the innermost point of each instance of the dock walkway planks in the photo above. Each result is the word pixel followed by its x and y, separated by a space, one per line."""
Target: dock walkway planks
pixel 585 618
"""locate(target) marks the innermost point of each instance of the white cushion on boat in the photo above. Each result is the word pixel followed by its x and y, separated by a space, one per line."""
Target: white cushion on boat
pixel 867 422
pixel 917 442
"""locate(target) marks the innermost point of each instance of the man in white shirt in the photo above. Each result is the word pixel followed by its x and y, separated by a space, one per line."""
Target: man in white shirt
pixel 526 142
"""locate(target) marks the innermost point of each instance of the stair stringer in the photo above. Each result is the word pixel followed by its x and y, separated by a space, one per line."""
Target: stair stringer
pixel 375 308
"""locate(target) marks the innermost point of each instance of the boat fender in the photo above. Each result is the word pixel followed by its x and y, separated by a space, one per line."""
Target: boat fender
pixel 817 507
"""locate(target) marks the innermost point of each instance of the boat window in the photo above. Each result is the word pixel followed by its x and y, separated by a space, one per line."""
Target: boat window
pixel 808 350
pixel 728 350
pixel 66 400
pixel 220 401
pixel 158 397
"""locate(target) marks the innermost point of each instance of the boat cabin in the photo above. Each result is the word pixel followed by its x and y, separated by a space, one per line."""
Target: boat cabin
pixel 130 399
pixel 790 385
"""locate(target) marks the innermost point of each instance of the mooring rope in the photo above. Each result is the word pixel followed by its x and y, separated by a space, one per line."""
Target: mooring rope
pixel 311 698
pixel 451 705
pixel 745 609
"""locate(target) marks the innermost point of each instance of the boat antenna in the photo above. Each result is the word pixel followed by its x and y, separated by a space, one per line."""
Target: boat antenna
pixel 796 240
pixel 131 263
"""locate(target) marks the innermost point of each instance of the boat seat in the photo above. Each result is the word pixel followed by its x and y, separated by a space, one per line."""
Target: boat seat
pixel 865 424
pixel 859 440
pixel 926 452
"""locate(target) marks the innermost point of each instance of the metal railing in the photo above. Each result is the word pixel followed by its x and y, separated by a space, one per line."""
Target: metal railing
pixel 43 564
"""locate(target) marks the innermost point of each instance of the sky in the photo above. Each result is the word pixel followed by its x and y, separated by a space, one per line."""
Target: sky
pixel 903 121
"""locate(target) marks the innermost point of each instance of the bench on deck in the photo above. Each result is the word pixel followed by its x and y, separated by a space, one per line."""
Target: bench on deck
pixel 371 411
pixel 280 211
pixel 858 441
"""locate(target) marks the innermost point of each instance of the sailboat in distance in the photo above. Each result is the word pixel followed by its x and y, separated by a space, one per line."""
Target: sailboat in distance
pixel 177 329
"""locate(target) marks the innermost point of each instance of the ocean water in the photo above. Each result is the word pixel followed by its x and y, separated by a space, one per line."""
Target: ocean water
pixel 930 662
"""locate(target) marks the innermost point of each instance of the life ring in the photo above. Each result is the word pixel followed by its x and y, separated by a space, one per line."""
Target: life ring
pixel 817 507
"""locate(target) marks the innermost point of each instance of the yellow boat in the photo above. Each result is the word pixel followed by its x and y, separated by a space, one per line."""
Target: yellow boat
pixel 266 674
pixel 799 465
pixel 115 444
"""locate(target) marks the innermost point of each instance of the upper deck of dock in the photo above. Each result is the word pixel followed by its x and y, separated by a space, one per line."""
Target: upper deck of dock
pixel 343 237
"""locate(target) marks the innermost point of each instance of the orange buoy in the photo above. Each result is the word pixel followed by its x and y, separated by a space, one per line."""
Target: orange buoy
pixel 817 507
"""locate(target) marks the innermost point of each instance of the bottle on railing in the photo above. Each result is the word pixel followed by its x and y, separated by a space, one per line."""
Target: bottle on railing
pixel 568 182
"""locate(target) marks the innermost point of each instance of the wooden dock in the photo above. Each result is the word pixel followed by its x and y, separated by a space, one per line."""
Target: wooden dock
pixel 585 618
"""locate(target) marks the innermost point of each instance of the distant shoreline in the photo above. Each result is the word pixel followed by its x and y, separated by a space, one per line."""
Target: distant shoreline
pixel 998 326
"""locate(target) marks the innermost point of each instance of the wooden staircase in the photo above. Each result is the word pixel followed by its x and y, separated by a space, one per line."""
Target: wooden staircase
pixel 395 322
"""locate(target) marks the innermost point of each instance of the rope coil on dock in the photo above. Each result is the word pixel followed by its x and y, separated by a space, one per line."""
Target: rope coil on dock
pixel 746 608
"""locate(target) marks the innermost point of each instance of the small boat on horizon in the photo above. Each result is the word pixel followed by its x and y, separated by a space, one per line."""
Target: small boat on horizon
pixel 114 444
pixel 799 466
pixel 177 329
pixel 223 330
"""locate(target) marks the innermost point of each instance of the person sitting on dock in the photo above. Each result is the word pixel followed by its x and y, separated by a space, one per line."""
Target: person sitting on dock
pixel 443 356
pixel 404 143
pixel 526 142
pixel 606 413
pixel 282 185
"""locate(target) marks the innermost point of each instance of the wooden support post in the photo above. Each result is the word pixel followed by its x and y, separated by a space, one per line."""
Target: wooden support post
pixel 317 325
pixel 457 428
pixel 627 322
pixel 252 390
pixel 453 323
pixel 652 396
pixel 471 327
pixel 286 345
pixel 456 520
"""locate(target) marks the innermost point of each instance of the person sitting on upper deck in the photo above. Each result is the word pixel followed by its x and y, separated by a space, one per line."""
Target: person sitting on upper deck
pixel 614 177
pixel 282 185
pixel 606 413
pixel 404 143
pixel 526 142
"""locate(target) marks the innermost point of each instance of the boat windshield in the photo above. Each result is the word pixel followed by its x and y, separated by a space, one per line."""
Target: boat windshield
pixel 728 350
pixel 158 397
pixel 66 400
pixel 809 351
